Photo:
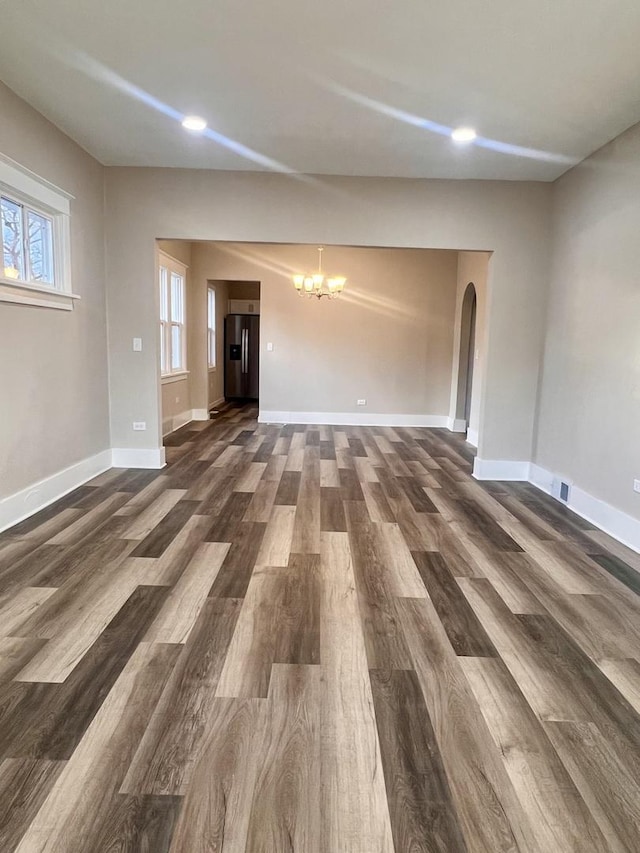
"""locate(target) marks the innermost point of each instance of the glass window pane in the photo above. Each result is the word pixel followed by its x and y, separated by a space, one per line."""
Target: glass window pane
pixel 177 312
pixel 40 243
pixel 176 347
pixel 211 308
pixel 163 353
pixel 12 239
pixel 164 294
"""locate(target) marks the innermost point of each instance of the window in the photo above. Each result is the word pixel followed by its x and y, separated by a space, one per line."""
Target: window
pixel 35 227
pixel 211 326
pixel 173 339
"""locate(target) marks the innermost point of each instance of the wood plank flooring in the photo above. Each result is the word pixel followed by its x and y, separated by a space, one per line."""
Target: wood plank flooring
pixel 315 639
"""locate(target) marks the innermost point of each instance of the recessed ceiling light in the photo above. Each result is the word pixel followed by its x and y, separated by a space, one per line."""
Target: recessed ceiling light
pixel 194 123
pixel 463 134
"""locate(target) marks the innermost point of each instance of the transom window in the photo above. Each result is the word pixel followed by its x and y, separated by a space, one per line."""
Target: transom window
pixel 173 339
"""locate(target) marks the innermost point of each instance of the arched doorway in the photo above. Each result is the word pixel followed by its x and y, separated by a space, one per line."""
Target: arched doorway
pixel 466 355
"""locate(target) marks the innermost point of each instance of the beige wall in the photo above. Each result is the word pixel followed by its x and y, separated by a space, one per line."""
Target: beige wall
pixel 510 218
pixel 53 369
pixel 590 394
pixel 388 339
pixel 244 290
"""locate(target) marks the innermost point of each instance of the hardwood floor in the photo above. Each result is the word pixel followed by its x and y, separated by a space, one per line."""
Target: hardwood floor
pixel 320 640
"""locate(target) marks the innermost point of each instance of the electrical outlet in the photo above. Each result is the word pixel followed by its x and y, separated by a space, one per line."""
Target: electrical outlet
pixel 139 425
pixel 137 344
pixel 636 485
pixel 361 402
pixel 269 347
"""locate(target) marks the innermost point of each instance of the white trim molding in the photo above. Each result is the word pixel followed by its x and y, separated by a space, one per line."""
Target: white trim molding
pixel 353 419
pixel 26 502
pixel 456 424
pixel 174 422
pixel 472 437
pixel 500 469
pixel 138 457
pixel 615 522
pixel 199 414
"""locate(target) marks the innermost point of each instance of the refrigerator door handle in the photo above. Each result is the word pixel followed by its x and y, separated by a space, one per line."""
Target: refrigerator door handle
pixel 245 350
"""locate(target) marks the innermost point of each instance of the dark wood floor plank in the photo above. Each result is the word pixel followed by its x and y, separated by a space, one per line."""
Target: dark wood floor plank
pixel 490 814
pixel 233 511
pixel 619 570
pixel 138 823
pixel 24 785
pixel 332 517
pixel 298 612
pixel 235 573
pixel 465 632
pixel 81 799
pixel 161 536
pixel 423 816
pixel 416 494
pixel 287 494
pixel 47 721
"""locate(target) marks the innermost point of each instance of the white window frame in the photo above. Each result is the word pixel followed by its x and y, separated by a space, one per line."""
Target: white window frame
pixel 172 265
pixel 212 339
pixel 42 197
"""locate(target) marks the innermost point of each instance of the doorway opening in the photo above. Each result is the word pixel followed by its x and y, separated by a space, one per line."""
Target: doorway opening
pixel 467 356
pixel 242 342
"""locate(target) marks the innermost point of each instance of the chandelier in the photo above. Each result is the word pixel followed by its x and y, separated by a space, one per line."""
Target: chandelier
pixel 317 284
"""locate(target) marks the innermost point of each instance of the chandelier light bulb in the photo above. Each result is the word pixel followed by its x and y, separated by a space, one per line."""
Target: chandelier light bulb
pixel 317 284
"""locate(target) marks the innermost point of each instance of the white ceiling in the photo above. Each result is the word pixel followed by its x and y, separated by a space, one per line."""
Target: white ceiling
pixel 322 86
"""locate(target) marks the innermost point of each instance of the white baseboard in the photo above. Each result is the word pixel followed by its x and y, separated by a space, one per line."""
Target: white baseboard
pixel 134 457
pixel 216 403
pixel 171 424
pixel 616 523
pixel 20 505
pixel 457 424
pixel 500 469
pixel 472 437
pixel 353 419
pixel 200 414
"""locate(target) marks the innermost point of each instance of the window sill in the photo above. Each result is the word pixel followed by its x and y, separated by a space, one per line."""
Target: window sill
pixel 174 377
pixel 33 294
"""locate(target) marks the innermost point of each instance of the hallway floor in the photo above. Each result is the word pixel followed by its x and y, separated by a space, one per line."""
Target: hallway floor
pixel 320 640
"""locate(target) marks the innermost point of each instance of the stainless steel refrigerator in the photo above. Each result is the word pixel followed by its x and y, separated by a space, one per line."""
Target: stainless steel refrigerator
pixel 241 356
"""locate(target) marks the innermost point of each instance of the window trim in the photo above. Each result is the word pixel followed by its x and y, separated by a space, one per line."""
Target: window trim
pixel 30 190
pixel 212 366
pixel 172 265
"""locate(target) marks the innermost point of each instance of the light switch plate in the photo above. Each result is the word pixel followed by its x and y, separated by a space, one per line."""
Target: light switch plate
pixel 269 347
pixel 137 344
